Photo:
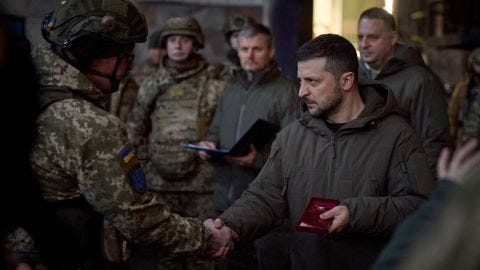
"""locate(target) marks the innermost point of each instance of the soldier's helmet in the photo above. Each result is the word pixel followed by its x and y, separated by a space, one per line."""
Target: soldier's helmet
pixel 80 30
pixel 186 26
pixel 154 39
pixel 236 23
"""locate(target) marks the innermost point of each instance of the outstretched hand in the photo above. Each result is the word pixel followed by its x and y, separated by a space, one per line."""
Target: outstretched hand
pixel 221 240
pixel 456 167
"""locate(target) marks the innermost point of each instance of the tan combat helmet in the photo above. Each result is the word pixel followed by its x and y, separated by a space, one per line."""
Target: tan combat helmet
pixel 236 23
pixel 186 26
pixel 79 30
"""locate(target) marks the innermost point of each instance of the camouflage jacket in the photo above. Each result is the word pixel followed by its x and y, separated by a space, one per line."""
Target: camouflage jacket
pixel 173 108
pixel 121 102
pixel 464 110
pixel 83 150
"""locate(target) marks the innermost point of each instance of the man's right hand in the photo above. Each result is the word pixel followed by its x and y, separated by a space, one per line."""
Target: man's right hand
pixel 455 168
pixel 221 240
pixel 203 154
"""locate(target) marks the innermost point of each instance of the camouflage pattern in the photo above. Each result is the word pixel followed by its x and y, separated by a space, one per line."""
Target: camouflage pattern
pixel 20 241
pixel 143 70
pixel 186 26
pixel 471 123
pixel 235 23
pixel 77 153
pixel 117 20
pixel 463 110
pixel 181 114
pixel 172 108
pixel 121 102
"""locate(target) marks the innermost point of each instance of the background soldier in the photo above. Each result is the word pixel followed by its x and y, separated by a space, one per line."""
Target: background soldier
pixel 87 170
pixel 464 106
pixel 176 106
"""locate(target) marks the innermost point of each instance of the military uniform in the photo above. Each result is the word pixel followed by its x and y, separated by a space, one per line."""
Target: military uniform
pixel 121 102
pixel 464 107
pixel 83 150
pixel 175 106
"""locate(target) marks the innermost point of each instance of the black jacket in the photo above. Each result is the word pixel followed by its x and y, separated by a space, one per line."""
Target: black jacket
pixel 420 96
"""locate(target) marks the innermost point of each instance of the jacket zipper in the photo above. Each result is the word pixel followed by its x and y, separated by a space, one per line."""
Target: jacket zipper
pixel 328 185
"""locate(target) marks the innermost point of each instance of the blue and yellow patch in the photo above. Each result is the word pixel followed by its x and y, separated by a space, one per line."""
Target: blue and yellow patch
pixel 131 166
pixel 127 154
pixel 51 22
pixel 137 179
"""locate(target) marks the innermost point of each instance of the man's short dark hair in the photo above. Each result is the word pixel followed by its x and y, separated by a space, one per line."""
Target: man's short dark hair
pixel 339 52
pixel 381 14
pixel 255 29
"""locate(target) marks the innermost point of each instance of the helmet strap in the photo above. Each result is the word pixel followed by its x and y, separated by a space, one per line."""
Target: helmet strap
pixel 112 78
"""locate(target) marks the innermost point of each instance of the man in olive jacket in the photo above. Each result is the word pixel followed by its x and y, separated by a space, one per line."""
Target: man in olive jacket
pixel 351 145
pixel 258 91
pixel 419 92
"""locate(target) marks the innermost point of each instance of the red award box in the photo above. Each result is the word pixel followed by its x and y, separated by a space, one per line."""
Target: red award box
pixel 310 220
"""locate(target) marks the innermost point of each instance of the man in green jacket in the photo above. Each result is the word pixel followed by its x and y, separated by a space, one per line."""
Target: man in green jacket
pixel 418 91
pixel 351 145
pixel 258 91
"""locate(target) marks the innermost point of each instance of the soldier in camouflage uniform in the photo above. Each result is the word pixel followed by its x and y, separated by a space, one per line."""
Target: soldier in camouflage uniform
pixel 464 106
pixel 85 165
pixel 175 106
pixel 152 63
pixel 121 102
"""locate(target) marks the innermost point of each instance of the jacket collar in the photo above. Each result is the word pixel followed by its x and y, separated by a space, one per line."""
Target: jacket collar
pixel 404 56
pixel 258 77
pixel 194 64
pixel 54 71
pixel 379 103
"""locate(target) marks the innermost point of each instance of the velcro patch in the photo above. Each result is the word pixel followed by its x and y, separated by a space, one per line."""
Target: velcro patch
pixel 127 154
pixel 51 22
pixel 137 179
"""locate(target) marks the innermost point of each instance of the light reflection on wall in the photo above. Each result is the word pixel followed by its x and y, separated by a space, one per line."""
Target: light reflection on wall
pixel 327 17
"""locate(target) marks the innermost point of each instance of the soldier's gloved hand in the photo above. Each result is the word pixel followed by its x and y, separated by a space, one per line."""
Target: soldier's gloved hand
pixel 203 154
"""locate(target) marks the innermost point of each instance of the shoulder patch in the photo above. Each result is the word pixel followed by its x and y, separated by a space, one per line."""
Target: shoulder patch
pixel 127 154
pixel 137 179
pixel 131 166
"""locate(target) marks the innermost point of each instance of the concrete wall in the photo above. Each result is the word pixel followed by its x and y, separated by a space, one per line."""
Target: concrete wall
pixel 211 15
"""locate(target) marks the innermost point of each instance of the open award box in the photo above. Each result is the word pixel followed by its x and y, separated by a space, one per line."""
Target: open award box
pixel 310 221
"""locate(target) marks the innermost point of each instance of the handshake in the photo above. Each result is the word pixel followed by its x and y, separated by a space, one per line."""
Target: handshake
pixel 221 240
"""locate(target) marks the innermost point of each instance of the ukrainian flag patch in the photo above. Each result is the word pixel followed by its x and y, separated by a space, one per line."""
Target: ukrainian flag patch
pixel 51 22
pixel 127 154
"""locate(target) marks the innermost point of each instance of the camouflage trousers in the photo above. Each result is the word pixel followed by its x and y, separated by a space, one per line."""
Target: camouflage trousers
pixel 188 204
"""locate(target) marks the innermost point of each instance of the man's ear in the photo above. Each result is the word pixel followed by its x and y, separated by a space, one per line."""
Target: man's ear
pixel 394 38
pixel 272 52
pixel 346 80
